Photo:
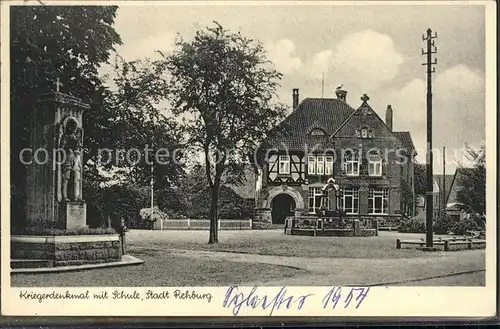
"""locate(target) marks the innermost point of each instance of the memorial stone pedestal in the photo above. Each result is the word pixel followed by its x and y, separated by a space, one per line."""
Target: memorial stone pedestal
pixel 54 189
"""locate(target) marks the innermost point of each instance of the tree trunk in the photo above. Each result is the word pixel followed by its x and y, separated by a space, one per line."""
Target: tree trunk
pixel 213 236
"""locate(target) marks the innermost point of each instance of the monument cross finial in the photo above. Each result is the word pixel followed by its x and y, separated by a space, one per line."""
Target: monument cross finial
pixel 365 98
pixel 58 84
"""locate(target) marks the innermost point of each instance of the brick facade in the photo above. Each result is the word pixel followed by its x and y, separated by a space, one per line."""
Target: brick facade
pixel 360 130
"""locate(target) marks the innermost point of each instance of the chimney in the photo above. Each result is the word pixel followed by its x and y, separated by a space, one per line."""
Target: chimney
pixel 341 93
pixel 388 117
pixel 295 96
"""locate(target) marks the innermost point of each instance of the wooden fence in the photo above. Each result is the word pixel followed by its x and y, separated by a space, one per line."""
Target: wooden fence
pixel 203 224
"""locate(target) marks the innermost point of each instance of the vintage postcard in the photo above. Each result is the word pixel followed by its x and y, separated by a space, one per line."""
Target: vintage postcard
pixel 249 158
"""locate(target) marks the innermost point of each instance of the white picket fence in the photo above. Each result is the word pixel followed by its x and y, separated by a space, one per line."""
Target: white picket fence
pixel 202 224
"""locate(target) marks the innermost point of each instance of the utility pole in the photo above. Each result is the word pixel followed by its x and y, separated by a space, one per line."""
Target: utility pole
pixel 444 184
pixel 152 177
pixel 430 181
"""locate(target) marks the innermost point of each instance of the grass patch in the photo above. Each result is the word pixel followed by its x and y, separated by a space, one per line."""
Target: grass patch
pixel 276 243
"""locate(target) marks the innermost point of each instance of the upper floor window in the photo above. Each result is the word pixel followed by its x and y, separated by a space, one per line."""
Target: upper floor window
pixel 319 165
pixel 378 201
pixel 311 165
pixel 351 163
pixel 328 165
pixel 284 164
pixel 375 165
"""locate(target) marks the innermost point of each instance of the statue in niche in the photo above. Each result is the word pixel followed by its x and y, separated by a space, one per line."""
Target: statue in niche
pixel 71 144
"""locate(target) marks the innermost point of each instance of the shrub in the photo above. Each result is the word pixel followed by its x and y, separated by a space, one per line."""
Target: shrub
pixel 145 215
pixel 474 223
pixel 231 205
pixel 168 199
pixel 444 225
pixel 412 225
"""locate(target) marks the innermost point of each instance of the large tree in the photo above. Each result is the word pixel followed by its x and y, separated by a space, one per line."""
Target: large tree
pixel 471 191
pixel 224 83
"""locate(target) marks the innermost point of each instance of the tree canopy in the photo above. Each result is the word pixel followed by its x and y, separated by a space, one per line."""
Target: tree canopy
pixel 50 42
pixel 471 191
pixel 70 43
pixel 224 83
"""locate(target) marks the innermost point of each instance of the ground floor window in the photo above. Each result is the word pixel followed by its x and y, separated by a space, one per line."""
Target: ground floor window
pixel 350 200
pixel 378 201
pixel 315 199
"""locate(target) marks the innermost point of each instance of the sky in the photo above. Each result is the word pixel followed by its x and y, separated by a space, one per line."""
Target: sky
pixel 368 49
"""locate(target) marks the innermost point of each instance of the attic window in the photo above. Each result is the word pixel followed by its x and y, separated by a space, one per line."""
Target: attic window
pixel 317 132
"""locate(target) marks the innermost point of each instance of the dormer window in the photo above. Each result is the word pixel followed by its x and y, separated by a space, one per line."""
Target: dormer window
pixel 317 132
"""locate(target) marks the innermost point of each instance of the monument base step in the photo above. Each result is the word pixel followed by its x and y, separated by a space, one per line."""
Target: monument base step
pixel 29 263
pixel 126 260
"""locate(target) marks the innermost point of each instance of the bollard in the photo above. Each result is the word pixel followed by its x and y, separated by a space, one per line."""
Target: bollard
pixel 398 244
pixel 469 244
pixel 376 227
pixel 122 229
pixel 447 245
pixel 357 227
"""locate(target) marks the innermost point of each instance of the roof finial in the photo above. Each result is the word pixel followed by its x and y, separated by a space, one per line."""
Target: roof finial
pixel 58 84
pixel 365 98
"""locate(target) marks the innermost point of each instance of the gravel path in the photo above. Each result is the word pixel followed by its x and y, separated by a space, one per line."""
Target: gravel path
pixel 352 271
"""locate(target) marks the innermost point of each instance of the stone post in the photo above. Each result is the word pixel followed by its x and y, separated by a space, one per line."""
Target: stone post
pixel 53 188
pixel 357 228
pixel 363 199
pixel 262 219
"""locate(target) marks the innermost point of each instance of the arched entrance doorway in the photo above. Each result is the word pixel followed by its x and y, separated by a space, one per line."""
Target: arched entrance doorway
pixel 282 206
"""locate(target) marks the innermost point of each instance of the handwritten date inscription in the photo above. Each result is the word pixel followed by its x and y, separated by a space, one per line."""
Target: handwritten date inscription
pixel 237 300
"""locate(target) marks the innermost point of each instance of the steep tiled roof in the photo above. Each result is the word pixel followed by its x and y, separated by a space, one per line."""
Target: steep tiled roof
pixel 405 138
pixel 324 113
pixel 454 186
